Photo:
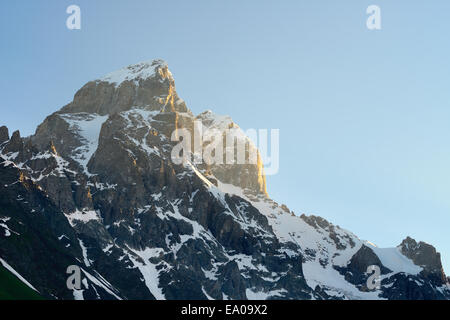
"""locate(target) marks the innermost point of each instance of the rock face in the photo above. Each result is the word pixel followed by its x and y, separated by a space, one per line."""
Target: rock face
pixel 147 84
pixel 4 134
pixel 425 255
pixel 356 269
pixel 96 187
pixel 248 176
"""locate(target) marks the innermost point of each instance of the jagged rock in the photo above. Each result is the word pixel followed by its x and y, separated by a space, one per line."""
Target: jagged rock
pixel 407 287
pixel 426 256
pixel 321 223
pixel 316 222
pixel 248 176
pixel 15 144
pixel 4 134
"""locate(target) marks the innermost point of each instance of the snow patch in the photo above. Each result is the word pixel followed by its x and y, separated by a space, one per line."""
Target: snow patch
pixel 102 283
pixel 11 269
pixel 253 295
pixel 136 72
pixel 393 259
pixel 83 216
pixel 7 230
pixel 87 126
pixel 87 262
pixel 148 269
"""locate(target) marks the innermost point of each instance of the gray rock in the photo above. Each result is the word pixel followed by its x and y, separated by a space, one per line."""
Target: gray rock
pixel 4 134
pixel 426 256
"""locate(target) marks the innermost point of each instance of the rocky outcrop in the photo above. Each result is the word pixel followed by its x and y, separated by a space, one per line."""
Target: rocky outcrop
pixel 249 175
pixel 4 134
pixel 426 256
pixel 332 230
pixel 15 144
pixel 147 84
pixel 356 270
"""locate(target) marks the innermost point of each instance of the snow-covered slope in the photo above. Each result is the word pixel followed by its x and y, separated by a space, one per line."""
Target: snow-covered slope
pixel 136 72
pixel 324 248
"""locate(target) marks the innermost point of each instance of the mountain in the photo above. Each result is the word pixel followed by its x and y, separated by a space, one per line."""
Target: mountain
pixel 96 187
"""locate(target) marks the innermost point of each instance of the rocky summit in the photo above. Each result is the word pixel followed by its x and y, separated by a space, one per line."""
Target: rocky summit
pixel 96 188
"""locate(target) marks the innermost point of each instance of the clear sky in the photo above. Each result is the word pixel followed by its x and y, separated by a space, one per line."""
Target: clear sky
pixel 363 115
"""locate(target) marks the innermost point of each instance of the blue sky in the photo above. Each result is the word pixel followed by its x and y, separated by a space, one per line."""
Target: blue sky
pixel 363 115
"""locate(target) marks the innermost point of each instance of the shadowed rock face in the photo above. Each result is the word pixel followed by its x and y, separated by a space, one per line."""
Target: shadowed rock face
pixel 356 270
pixel 364 258
pixel 96 187
pixel 4 134
pixel 426 256
pixel 15 144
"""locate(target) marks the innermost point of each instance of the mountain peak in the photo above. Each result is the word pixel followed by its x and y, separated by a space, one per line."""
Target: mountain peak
pixel 139 71
pixel 148 85
pixel 4 134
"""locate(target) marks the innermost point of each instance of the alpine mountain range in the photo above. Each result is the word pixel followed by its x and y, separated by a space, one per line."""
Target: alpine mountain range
pixel 96 187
